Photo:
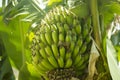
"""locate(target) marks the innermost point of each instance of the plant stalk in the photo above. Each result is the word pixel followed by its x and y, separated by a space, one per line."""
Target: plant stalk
pixel 96 23
pixel 97 31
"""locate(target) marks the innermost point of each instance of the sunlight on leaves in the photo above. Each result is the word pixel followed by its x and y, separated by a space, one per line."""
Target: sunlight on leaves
pixel 50 2
pixel 112 61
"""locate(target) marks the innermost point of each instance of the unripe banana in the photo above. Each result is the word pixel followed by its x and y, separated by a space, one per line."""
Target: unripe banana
pixel 83 48
pixel 68 63
pixel 77 60
pixel 53 61
pixel 62 19
pixel 42 37
pixel 61 37
pixel 69 19
pixel 46 64
pixel 43 53
pixel 68 55
pixel 55 50
pixel 61 62
pixel 42 45
pixel 68 37
pixel 48 37
pixel 62 52
pixel 78 29
pixel 48 51
pixel 55 37
pixel 75 22
pixel 66 27
pixel 79 42
pixel 76 51
pixel 83 60
pixel 72 45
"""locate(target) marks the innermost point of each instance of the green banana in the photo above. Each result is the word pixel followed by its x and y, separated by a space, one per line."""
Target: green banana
pixel 47 64
pixel 53 61
pixel 48 37
pixel 36 58
pixel 57 17
pixel 72 45
pixel 78 29
pixel 77 60
pixel 55 36
pixel 68 63
pixel 83 48
pixel 61 37
pixel 41 69
pixel 80 63
pixel 79 42
pixel 83 61
pixel 55 50
pixel 62 52
pixel 43 53
pixel 68 37
pixel 69 19
pixel 60 28
pixel 42 37
pixel 60 62
pixel 53 27
pixel 62 19
pixel 42 45
pixel 48 51
pixel 68 55
pixel 75 22
pixel 76 51
pixel 66 27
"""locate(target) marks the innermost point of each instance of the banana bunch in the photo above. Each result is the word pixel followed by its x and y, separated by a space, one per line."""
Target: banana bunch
pixel 60 45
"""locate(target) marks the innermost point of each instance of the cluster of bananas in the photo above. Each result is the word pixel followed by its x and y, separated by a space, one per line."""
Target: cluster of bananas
pixel 61 44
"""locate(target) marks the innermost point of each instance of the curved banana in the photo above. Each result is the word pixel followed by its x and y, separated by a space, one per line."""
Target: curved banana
pixel 68 37
pixel 47 64
pixel 42 37
pixel 62 52
pixel 69 19
pixel 78 29
pixel 53 61
pixel 48 51
pixel 68 63
pixel 55 50
pixel 60 62
pixel 83 48
pixel 77 60
pixel 48 37
pixel 43 53
pixel 55 36
pixel 66 27
pixel 76 51
pixel 61 37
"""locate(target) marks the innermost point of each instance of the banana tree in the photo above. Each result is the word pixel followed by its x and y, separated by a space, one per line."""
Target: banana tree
pixel 48 39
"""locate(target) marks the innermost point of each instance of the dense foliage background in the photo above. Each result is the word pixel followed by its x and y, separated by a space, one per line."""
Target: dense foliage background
pixel 19 17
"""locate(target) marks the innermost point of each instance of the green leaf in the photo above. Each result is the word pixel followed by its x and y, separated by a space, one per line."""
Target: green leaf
pixel 6 72
pixel 112 61
pixel 26 75
pixel 80 10
pixel 108 9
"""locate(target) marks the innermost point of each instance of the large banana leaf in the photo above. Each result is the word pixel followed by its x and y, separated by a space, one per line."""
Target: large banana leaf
pixel 112 61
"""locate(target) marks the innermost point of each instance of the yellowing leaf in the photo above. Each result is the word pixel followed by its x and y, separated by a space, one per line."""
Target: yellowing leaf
pixel 50 2
pixel 31 36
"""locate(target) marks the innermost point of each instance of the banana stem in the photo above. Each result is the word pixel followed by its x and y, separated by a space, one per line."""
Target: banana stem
pixel 97 30
pixel 96 22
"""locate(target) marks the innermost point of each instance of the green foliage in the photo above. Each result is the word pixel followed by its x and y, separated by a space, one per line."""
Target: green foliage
pixel 6 72
pixel 18 15
pixel 112 61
